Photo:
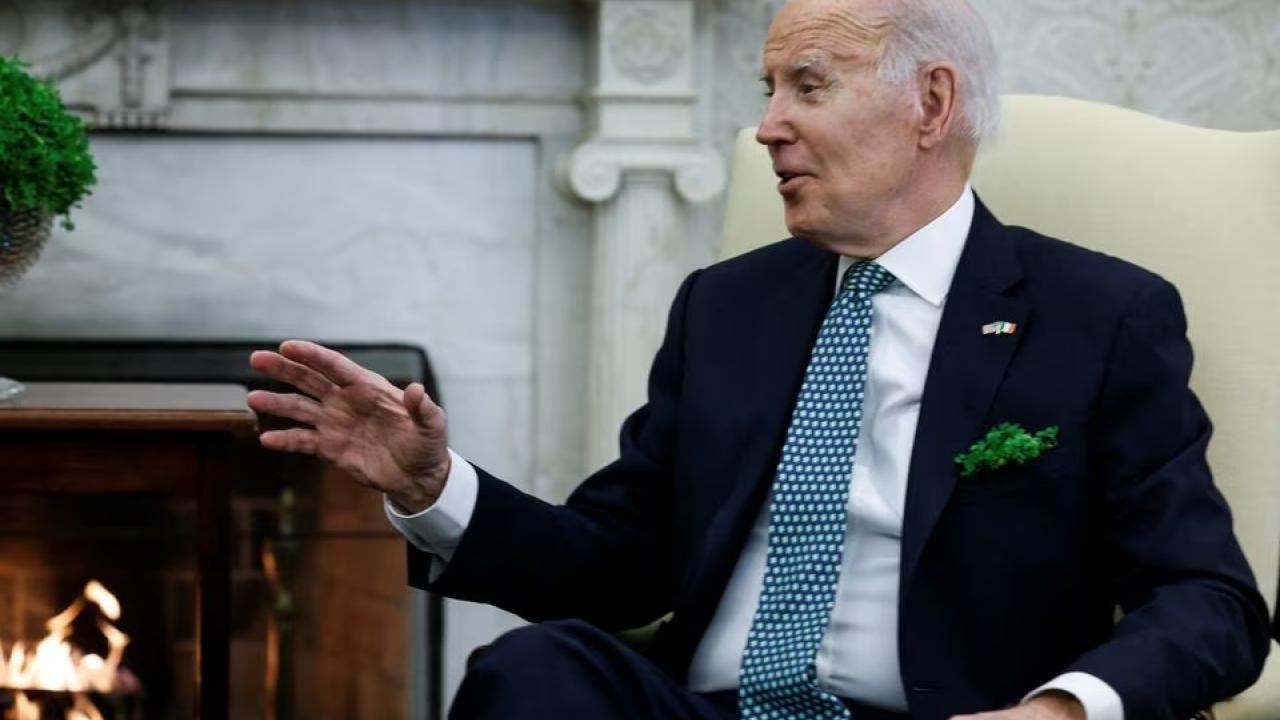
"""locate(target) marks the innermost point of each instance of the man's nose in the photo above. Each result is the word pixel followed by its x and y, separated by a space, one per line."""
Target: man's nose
pixel 775 125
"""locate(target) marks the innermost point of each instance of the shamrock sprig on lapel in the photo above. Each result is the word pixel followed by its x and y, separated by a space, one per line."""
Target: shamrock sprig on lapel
pixel 1006 443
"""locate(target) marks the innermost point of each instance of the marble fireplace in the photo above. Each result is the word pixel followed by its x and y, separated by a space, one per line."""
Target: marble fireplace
pixel 511 184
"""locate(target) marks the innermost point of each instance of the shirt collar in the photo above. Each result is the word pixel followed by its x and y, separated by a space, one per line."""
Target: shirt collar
pixel 925 261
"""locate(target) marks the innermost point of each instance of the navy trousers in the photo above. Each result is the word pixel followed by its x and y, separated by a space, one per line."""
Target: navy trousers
pixel 570 669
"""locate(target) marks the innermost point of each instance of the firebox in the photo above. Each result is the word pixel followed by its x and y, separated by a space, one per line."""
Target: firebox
pixel 319 621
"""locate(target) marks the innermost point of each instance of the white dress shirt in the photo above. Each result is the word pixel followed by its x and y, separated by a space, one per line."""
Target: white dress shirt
pixel 858 656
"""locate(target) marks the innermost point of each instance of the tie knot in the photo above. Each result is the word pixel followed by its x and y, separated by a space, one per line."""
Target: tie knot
pixel 865 279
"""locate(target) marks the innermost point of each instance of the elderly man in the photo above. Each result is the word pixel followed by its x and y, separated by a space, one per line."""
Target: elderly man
pixel 791 494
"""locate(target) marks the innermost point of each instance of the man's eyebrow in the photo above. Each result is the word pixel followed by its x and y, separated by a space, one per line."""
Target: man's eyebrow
pixel 796 69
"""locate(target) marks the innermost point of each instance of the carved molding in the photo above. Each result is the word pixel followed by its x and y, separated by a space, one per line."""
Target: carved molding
pixel 594 170
pixel 644 47
pixel 95 33
pixel 109 59
pixel 642 107
pixel 115 66
pixel 648 43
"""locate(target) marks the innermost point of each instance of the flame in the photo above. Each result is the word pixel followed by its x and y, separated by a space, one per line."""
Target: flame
pixel 56 666
pixel 106 602
pixel 26 709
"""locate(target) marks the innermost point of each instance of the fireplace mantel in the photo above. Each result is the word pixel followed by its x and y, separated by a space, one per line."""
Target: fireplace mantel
pixel 129 406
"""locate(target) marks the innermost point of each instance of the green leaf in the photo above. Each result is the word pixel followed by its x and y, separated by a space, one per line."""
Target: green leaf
pixel 45 163
pixel 1005 444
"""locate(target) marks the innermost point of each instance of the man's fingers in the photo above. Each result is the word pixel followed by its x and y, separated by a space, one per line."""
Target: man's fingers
pixel 334 366
pixel 297 440
pixel 420 406
pixel 278 367
pixel 412 400
pixel 294 407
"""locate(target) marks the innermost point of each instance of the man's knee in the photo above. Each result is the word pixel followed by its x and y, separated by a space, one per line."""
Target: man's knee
pixel 533 645
pixel 530 668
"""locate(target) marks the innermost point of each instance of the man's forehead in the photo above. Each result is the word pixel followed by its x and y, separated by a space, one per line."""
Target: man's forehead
pixel 816 30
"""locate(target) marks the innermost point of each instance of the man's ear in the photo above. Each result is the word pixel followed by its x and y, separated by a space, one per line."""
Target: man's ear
pixel 939 102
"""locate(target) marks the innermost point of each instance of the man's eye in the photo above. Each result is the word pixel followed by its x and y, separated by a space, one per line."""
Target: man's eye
pixel 808 89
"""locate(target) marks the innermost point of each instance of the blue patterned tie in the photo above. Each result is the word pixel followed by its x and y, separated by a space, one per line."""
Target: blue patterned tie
pixel 778 679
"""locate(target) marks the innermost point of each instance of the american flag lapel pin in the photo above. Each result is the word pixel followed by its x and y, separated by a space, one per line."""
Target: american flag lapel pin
pixel 1001 327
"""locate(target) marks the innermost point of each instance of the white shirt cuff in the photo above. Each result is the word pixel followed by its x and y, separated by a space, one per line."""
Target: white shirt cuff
pixel 438 529
pixel 1100 700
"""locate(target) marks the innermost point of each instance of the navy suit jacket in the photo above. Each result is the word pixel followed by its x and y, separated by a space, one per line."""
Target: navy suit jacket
pixel 1008 578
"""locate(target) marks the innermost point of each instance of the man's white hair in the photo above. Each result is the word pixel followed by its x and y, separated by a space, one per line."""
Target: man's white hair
pixel 925 31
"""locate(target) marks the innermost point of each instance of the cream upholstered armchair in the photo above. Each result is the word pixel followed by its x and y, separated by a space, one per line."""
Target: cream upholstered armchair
pixel 1200 207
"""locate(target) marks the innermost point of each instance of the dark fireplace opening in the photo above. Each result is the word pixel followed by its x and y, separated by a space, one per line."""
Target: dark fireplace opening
pixel 322 623
pixel 141 550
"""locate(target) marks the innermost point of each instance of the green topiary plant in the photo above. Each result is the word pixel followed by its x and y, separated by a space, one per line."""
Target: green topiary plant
pixel 45 165
pixel 45 170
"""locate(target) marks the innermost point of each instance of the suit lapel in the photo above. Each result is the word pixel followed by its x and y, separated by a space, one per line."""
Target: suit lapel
pixel 964 373
pixel 788 329
pixel 787 324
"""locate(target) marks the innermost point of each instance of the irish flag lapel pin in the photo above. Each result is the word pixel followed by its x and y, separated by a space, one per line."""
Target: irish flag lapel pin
pixel 1000 328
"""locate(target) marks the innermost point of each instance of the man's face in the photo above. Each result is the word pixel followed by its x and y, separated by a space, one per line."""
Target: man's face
pixel 843 142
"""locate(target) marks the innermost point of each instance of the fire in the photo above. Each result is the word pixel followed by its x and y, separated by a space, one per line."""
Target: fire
pixel 54 665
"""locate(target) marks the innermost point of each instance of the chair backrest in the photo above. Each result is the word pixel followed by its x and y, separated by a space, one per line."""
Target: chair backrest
pixel 1200 207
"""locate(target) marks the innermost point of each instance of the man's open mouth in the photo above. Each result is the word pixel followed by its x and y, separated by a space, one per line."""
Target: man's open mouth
pixel 789 182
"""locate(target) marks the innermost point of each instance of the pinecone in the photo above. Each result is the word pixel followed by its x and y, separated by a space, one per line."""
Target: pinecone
pixel 22 237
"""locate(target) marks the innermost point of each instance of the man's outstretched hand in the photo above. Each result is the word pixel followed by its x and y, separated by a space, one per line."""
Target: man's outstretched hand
pixel 391 440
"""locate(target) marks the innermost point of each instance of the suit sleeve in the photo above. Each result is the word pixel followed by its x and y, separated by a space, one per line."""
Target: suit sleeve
pixel 604 556
pixel 1195 628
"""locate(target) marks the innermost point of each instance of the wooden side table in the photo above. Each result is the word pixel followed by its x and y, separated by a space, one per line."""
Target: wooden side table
pixel 142 438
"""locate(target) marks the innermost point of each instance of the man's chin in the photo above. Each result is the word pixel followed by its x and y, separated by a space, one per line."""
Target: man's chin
pixel 804 229
pixel 797 224
pixel 817 238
